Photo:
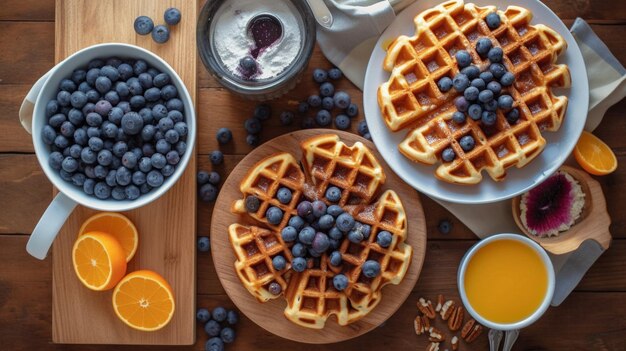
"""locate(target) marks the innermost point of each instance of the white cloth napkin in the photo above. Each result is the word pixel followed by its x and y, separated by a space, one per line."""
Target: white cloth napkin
pixel 348 44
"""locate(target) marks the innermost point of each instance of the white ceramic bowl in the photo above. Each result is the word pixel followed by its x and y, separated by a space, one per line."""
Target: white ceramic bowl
pixel 45 90
pixel 546 300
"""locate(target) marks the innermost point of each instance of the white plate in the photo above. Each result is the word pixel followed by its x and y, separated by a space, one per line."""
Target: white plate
pixel 422 177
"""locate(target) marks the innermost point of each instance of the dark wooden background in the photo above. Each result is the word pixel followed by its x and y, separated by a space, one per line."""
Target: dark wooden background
pixel 592 318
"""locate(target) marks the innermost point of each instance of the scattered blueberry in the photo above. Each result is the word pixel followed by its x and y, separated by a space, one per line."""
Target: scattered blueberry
pixel 263 112
pixel 505 102
pixel 334 73
pixel 467 143
pixel 342 122
pixel 493 20
pixel 458 117
pixel 444 84
pixel 384 238
pixel 208 192
pixel 475 112
pixel 319 75
pixel 274 215
pixel 507 79
pixel 495 54
pixel 448 154
pixel 248 66
pixel 327 89
pixel 212 328
pixel 512 116
pixel 279 262
pixel 224 135
pixel 460 82
pixel 471 93
pixel 333 194
pixel 345 222
pixel 371 268
pixel 232 317
pixel 252 140
pixel 328 103
pixel 143 25
pixel 289 234
pixel 214 344
pixel 160 34
pixel 314 101
pixel 216 157
pixel 227 335
pixel 461 104
pixel 340 282
pixel 274 288
pixel 341 99
pixel 252 203
pixel 323 118
pixel 284 195
pixel 172 16
pixel 203 315
pixel 286 118
pixel 252 125
pixel 472 72
pixel 362 128
pixel 444 226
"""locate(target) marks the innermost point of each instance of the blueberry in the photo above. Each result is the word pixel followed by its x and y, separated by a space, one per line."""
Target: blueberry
pixel 362 128
pixel 472 72
pixel 103 84
pixel 48 135
pixel 172 16
pixel 460 82
pixel 334 210
pixel 139 67
pixel 252 140
pixel 110 72
pixel 303 107
pixel 252 203
pixel 345 222
pixel 56 120
pixel 158 160
pixel 342 122
pixel 461 104
pixel 96 144
pixel 152 94
pixel 216 157
pixel 463 58
pixel 458 117
pixel 175 116
pixel 471 93
pixel 232 317
pixel 248 66
pixel 286 118
pixel 78 76
pixel 88 186
pixel 252 125
pixel 227 335
pixel 444 226
pixel 123 176
pixel 495 54
pixel 168 92
pixel 161 80
pixel 352 110
pixel 52 107
pixel 143 25
pixel 340 282
pixel 78 99
pixel 334 73
pixel 139 178
pixel 125 70
pixel 497 69
pixel 371 268
pixel 208 192
pixel 314 101
pixel 92 96
pixel 155 179
pixel 262 112
pixel 274 215
pixel 203 315
pixel 115 116
pixel 478 83
pixel 448 154
pixel 88 156
pixel 67 85
pixel 88 108
pixel 103 108
pixel 493 20
pixel 444 84
pixel 159 111
pixel 137 102
pixel 298 250
pixel 214 178
pixel 320 75
pixel 171 136
pixel 279 262
pixel 505 102
pixel 489 118
pixel 63 98
pixel 341 99
pixel 160 34
pixel 495 87
pixel 507 79
pixel 129 159
pixel 328 103
pixel 483 45
pixel 55 159
pixel 100 171
pixel 486 76
pixel 485 95
pixel 102 191
pixel 132 123
pixel 491 105
pixel 118 193
pixel 168 169
pixel 512 116
pixel 61 142
pixel 80 137
pixel 306 235
pixel 304 209
pixel 467 143
pixel 326 222
pixel 65 175
pixel 289 234
pixel 175 104
pixel 327 89
pixel 384 238
pixel 323 118
pixel 284 195
pixel 298 264
pixel 475 112
pixel 320 242
pixel 224 135
pixel 355 236
pixel 119 148
pixel 104 157
pixel 212 328
pixel 274 288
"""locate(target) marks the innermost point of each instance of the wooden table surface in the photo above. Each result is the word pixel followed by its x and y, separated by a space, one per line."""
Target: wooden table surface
pixel 592 318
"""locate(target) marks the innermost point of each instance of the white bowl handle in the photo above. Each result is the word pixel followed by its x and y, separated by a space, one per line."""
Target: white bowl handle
pixel 28 105
pixel 49 225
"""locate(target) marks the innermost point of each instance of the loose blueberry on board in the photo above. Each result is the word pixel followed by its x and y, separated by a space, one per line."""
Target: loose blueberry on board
pixel 314 101
pixel 328 103
pixel 224 135
pixel 320 76
pixel 214 344
pixel 212 328
pixel 323 118
pixel 444 226
pixel 214 177
pixel 263 112
pixel 143 25
pixel 342 122
pixel 216 157
pixel 208 192
pixel 232 317
pixel 286 118
pixel 362 128
pixel 219 314
pixel 308 123
pixel 327 89
pixel 340 282
pixel 341 99
pixel 204 245
pixel 352 110
pixel 172 16
pixel 355 236
pixel 448 154
pixel 160 34
pixel 493 20
pixel 252 140
pixel 303 107
pixel 334 73
pixel 253 125
pixel 203 315
pixel 371 268
pixel 227 335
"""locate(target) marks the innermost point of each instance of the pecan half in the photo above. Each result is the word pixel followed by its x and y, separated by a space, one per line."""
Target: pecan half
pixel 440 301
pixel 433 346
pixel 421 324
pixel 456 319
pixel 446 310
pixel 455 343
pixel 436 335
pixel 426 307
pixel 467 328
pixel 471 331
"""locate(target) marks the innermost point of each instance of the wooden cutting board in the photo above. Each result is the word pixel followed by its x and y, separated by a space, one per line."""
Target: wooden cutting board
pixel 167 227
pixel 269 315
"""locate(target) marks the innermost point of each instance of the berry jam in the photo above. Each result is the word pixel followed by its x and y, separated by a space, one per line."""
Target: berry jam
pixel 265 31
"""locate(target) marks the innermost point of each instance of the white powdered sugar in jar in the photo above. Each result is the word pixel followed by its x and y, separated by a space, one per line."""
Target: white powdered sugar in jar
pixel 233 40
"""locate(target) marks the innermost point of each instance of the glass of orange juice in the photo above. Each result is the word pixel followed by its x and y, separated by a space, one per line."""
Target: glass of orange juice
pixel 506 281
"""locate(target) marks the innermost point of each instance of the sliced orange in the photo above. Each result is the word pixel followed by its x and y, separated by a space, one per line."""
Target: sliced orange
pixel 117 225
pixel 144 301
pixel 593 155
pixel 99 260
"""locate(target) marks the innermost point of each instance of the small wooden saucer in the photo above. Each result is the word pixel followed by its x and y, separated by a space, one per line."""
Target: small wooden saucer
pixel 270 315
pixel 593 223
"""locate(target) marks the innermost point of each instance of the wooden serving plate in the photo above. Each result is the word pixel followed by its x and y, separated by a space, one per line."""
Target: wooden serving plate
pixel 167 227
pixel 269 315
pixel 593 223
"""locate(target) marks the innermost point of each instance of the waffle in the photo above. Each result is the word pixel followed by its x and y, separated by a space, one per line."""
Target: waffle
pixel 311 296
pixel 411 100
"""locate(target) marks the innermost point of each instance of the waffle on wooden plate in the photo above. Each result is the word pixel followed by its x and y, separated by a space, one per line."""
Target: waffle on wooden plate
pixel 311 296
pixel 410 100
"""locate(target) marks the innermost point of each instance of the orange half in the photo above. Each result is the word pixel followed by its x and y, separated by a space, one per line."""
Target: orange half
pixel 594 156
pixel 117 225
pixel 99 260
pixel 144 300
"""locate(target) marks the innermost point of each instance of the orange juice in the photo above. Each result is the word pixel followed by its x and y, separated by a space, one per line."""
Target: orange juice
pixel 505 281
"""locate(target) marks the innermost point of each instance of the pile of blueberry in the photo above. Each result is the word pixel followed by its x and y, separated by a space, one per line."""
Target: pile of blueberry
pixel 161 33
pixel 116 128
pixel 208 183
pixel 482 93
pixel 318 229
pixel 254 125
pixel 218 325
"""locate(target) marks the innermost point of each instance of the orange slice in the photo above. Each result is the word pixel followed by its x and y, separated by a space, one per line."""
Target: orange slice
pixel 594 156
pixel 144 301
pixel 117 225
pixel 99 260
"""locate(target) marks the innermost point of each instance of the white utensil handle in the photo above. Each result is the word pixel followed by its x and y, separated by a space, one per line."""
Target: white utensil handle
pixel 49 225
pixel 509 339
pixel 321 12
pixel 495 337
pixel 28 105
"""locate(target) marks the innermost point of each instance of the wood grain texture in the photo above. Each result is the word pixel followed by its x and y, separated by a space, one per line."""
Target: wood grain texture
pixel 166 227
pixel 269 315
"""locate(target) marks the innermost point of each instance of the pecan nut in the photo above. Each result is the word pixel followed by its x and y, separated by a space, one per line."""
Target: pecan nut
pixel 454 343
pixel 436 335
pixel 446 310
pixel 433 346
pixel 421 324
pixel 471 331
pixel 456 319
pixel 440 301
pixel 426 307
